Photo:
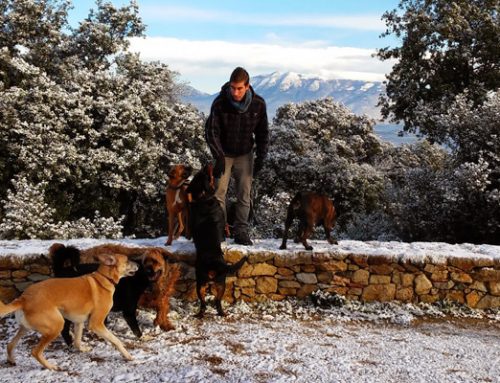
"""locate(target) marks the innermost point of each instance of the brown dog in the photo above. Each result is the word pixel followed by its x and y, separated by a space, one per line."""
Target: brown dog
pixel 176 202
pixel 44 305
pixel 311 209
pixel 165 275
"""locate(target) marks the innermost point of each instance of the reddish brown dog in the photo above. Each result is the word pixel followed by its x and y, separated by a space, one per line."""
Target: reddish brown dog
pixel 311 209
pixel 176 202
pixel 158 297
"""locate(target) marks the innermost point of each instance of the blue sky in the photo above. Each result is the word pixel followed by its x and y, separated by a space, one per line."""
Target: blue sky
pixel 205 40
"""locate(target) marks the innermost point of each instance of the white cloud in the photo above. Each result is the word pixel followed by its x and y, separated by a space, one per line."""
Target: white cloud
pixel 207 64
pixel 192 15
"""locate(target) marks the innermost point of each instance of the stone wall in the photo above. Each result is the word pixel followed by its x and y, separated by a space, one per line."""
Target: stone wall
pixel 277 275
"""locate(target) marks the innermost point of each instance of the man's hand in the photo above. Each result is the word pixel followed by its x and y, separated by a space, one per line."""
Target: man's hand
pixel 258 164
pixel 219 167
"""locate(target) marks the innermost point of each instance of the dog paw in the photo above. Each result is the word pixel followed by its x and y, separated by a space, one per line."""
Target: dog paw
pixel 82 348
pixel 167 327
pixel 308 247
pixel 200 315
pixel 283 247
pixel 128 357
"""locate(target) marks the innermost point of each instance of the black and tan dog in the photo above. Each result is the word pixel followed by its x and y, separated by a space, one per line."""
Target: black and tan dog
pixel 176 202
pixel 311 209
pixel 207 227
pixel 44 306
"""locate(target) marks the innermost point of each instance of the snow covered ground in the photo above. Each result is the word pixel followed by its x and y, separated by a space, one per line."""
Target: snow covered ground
pixel 289 341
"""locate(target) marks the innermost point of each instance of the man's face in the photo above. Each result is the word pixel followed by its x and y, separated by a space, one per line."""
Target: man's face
pixel 238 90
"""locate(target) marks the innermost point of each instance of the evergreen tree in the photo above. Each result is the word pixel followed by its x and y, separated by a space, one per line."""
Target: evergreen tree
pixel 447 48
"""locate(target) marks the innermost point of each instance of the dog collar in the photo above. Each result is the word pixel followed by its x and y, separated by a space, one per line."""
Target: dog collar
pixel 109 279
pixel 186 181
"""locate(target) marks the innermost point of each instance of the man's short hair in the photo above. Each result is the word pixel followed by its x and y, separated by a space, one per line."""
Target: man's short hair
pixel 239 75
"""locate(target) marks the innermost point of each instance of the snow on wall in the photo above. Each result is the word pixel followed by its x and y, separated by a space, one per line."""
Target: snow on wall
pixel 364 271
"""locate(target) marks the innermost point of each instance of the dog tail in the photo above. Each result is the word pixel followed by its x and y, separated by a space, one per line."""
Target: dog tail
pixel 60 254
pixel 231 269
pixel 15 305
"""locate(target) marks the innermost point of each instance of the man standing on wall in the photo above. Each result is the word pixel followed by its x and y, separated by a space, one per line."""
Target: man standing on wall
pixel 237 122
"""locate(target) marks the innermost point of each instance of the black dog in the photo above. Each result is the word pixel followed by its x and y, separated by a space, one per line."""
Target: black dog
pixel 127 291
pixel 311 209
pixel 207 228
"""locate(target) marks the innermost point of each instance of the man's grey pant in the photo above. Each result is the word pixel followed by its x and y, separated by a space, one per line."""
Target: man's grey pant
pixel 242 170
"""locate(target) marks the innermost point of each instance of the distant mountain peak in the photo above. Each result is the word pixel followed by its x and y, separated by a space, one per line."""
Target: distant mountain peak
pixel 279 88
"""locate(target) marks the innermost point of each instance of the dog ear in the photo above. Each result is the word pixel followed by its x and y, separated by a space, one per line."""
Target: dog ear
pixel 165 254
pixel 107 259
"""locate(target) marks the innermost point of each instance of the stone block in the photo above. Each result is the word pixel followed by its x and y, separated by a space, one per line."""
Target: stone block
pixel 287 291
pixel 308 278
pixel 461 277
pixel 287 260
pixel 383 269
pixel 428 298
pixel 289 284
pixel 285 271
pixel 380 293
pixel 479 286
pixel 245 282
pixel 380 279
pixel 455 296
pixel 7 294
pixel 324 277
pixel 487 275
pixel 266 285
pixel 407 279
pixel 494 288
pixel 488 301
pixel 473 298
pixel 360 260
pixel 333 266
pixel 422 285
pixel 462 263
pixel 308 268
pixel 444 285
pixel 20 274
pixel 361 276
pixel 405 294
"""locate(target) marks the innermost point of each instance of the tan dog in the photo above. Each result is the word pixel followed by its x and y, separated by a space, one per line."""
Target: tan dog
pixel 165 275
pixel 44 305
pixel 176 202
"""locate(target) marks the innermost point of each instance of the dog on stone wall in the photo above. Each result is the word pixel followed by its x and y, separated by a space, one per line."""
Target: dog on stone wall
pixel 176 202
pixel 311 209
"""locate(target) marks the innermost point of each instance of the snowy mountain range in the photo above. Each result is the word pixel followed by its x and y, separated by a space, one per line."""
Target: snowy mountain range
pixel 281 88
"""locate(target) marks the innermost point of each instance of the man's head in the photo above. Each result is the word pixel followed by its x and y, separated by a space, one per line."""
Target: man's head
pixel 239 82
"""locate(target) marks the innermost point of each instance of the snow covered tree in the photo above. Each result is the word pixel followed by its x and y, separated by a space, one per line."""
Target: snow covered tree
pixel 447 48
pixel 91 121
